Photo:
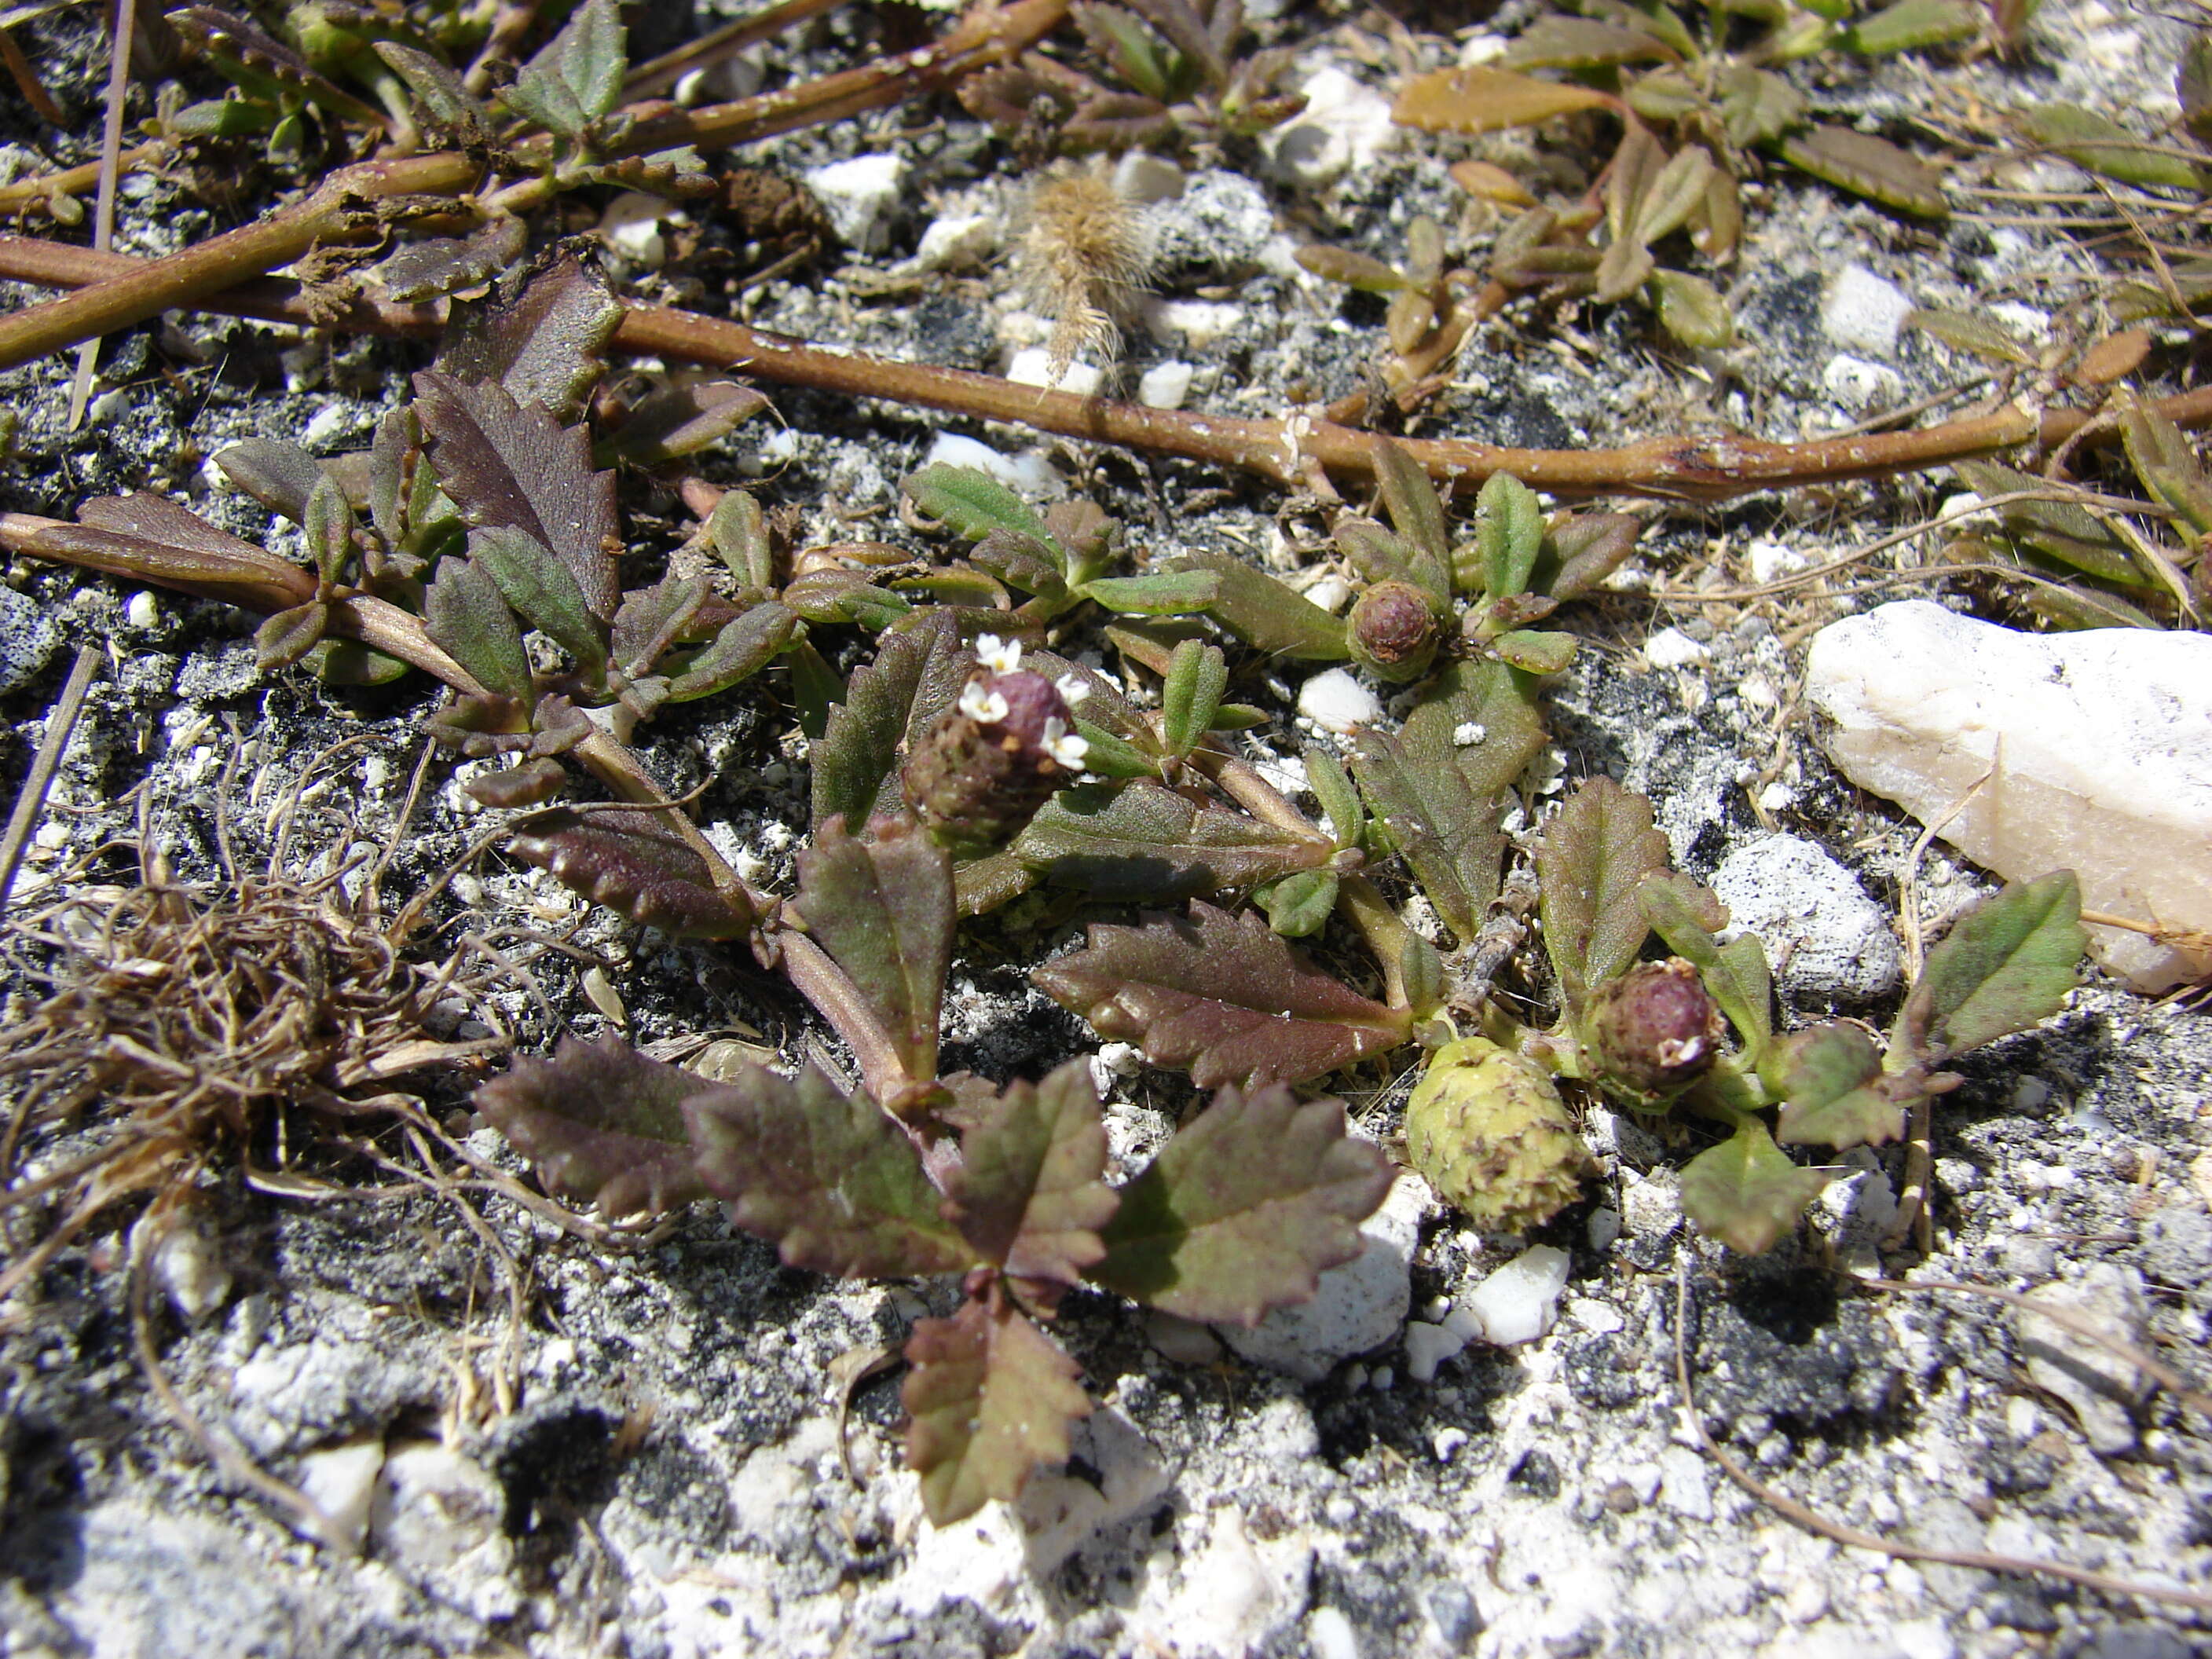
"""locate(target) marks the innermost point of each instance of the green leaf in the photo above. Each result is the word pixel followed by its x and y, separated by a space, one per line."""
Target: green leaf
pixel 589 51
pixel 2062 529
pixel 1580 550
pixel 1446 833
pixel 1866 166
pixel 1028 1194
pixel 738 530
pixel 1145 842
pixel 1484 99
pixel 746 645
pixel 1221 996
pixel 1244 1209
pixel 1416 513
pixel 543 345
pixel 1298 906
pixel 675 420
pixel 1534 651
pixel 2166 462
pixel 1962 331
pixel 2103 146
pixel 882 907
pixel 1162 593
pixel 1911 25
pixel 326 530
pixel 916 674
pixel 1686 916
pixel 1834 1091
pixel 990 1398
pixel 2007 963
pixel 601 1122
pixel 465 617
pixel 1190 694
pixel 1265 614
pixel 650 619
pixel 1509 534
pixel 1339 801
pixel 1481 717
pixel 439 94
pixel 1556 41
pixel 542 592
pixel 285 636
pixel 1352 269
pixel 636 863
pixel 1692 310
pixel 1746 1191
pixel 972 504
pixel 1758 106
pixel 830 1179
pixel 1599 846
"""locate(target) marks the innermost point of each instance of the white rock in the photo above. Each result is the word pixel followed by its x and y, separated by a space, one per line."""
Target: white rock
pixel 438 1516
pixel 1028 473
pixel 1858 1211
pixel 1862 387
pixel 1061 1513
pixel 2088 751
pixel 957 243
pixel 630 227
pixel 2100 1386
pixel 1357 1307
pixel 188 1264
pixel 1330 1635
pixel 341 1482
pixel 1200 323
pixel 1686 1483
pixel 1427 1347
pixel 1861 312
pixel 1770 562
pixel 1823 935
pixel 1345 125
pixel 861 198
pixel 1336 701
pixel 1165 386
pixel 1670 648
pixel 143 612
pixel 1032 366
pixel 1518 1303
pixel 1330 591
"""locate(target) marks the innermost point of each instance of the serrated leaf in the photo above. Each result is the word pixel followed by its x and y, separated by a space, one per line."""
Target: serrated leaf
pixel 830 1179
pixel 1448 834
pixel 1485 99
pixel 1985 337
pixel 1264 613
pixel 882 907
pixel 1298 906
pixel 507 467
pixel 464 616
pixel 1220 996
pixel 1832 1085
pixel 636 863
pixel 439 265
pixel 149 537
pixel 1146 843
pixel 651 619
pixel 288 636
pixel 1596 850
pixel 440 95
pixel 544 343
pixel 532 580
pixel 1583 550
pixel 746 645
pixel 972 504
pixel 1190 694
pixel 589 53
pixel 602 1123
pixel 1687 916
pixel 1490 704
pixel 990 1398
pixel 1509 535
pixel 2103 146
pixel 1746 1191
pixel 1030 1192
pixel 1757 106
pixel 542 98
pixel 1866 166
pixel 2059 529
pixel 1556 41
pixel 1244 1209
pixel 2007 963
pixel 916 674
pixel 1911 25
pixel 1692 310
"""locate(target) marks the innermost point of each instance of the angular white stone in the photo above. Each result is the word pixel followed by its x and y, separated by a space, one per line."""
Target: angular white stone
pixel 1165 386
pixel 1032 366
pixel 1357 1307
pixel 956 243
pixel 2100 1385
pixel 1823 935
pixel 1859 387
pixel 1345 124
pixel 1861 312
pixel 860 196
pixel 1518 1303
pixel 341 1482
pixel 1335 702
pixel 2091 752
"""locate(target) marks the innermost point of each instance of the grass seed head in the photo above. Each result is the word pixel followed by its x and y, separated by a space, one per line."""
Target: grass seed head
pixel 1087 251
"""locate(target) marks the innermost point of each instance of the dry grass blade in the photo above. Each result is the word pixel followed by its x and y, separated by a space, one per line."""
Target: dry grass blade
pixel 33 798
pixel 103 215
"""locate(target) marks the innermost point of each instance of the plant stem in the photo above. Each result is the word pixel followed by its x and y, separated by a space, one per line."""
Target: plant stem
pixel 663 72
pixel 838 1000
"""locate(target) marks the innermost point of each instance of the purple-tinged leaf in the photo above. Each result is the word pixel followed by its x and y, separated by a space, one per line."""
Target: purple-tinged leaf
pixel 636 863
pixel 1448 834
pixel 1146 843
pixel 544 593
pixel 1597 847
pixel 326 530
pixel 2007 963
pixel 1583 550
pixel 284 638
pixel 601 1121
pixel 530 784
pixel 676 421
pixel 830 1180
pixel 149 538
pixel 1746 1191
pixel 745 645
pixel 511 467
pixel 972 504
pixel 1244 1209
pixel 990 1397
pixel 882 907
pixel 280 475
pixel 1417 514
pixel 1221 996
pixel 651 619
pixel 916 674
pixel 1836 1091
pixel 544 344
pixel 1028 1192
pixel 439 265
pixel 465 617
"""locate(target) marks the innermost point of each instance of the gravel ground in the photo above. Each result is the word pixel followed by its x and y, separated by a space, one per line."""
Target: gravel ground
pixel 549 1446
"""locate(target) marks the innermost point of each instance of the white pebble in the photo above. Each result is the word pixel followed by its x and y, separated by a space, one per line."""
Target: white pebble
pixel 1032 366
pixel 861 197
pixel 1330 1635
pixel 1518 1303
pixel 1335 702
pixel 1165 386
pixel 958 243
pixel 143 612
pixel 1670 648
pixel 1861 312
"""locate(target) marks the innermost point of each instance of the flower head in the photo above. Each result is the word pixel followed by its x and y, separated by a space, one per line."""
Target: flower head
pixel 999 656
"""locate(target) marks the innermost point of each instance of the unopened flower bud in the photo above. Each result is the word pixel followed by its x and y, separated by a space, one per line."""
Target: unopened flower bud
pixel 1393 631
pixel 980 774
pixel 1653 1032
pixel 1487 1128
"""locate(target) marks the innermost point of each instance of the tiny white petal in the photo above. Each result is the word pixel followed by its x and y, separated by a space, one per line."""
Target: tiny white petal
pixel 999 656
pixel 978 702
pixel 1071 751
pixel 1073 689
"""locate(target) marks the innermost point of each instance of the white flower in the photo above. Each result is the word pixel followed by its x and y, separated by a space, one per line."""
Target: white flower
pixel 1067 747
pixel 999 656
pixel 1073 689
pixel 981 704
